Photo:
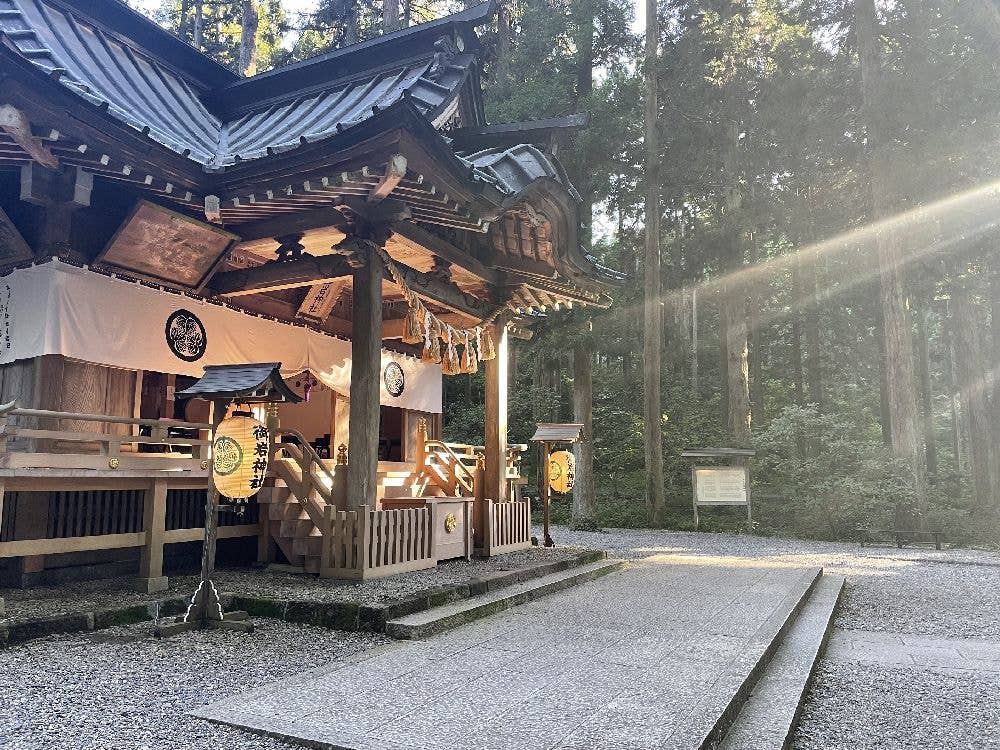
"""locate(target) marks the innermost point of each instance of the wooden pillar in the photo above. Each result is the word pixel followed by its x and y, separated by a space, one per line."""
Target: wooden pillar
pixel 366 362
pixel 154 523
pixel 496 417
pixel 31 519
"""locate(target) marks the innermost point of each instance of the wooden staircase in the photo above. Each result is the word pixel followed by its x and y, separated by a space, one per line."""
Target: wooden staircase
pixel 300 487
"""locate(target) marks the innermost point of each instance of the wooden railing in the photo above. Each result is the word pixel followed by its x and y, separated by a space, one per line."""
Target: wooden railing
pixel 369 543
pixel 99 450
pixel 316 487
pixel 508 526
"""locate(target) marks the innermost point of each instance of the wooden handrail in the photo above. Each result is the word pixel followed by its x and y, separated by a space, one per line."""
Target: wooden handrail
pixel 468 482
pixel 13 410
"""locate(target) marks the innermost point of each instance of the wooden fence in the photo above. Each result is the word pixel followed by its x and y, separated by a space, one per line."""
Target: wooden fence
pixel 508 526
pixel 369 543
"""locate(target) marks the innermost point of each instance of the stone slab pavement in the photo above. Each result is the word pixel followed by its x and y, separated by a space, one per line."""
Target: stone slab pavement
pixel 625 662
pixel 956 655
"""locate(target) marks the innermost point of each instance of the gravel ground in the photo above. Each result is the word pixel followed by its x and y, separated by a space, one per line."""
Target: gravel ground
pixel 93 595
pixel 121 688
pixel 855 707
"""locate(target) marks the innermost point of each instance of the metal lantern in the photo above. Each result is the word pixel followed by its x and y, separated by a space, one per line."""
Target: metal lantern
pixel 562 471
pixel 239 456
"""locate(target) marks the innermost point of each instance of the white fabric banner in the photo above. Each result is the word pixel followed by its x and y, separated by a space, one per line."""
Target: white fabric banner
pixel 57 308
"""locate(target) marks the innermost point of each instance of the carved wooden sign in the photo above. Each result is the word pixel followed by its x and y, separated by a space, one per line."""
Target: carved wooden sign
pixel 13 248
pixel 163 245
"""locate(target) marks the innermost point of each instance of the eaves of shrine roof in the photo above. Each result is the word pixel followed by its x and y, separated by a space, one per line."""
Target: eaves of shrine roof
pixel 118 61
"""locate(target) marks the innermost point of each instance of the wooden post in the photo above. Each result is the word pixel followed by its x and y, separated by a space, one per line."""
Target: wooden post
pixel 482 533
pixel 546 493
pixel 154 516
pixel 366 360
pixel 496 417
pixel 205 610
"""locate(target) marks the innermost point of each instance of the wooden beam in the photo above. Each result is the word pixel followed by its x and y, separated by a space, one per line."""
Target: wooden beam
pixel 395 171
pixel 366 365
pixel 276 275
pixel 393 329
pixel 445 293
pixel 176 536
pixel 299 221
pixel 414 235
pixel 32 547
pixel 15 124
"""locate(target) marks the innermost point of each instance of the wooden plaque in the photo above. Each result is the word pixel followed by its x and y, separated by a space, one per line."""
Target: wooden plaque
pixel 163 245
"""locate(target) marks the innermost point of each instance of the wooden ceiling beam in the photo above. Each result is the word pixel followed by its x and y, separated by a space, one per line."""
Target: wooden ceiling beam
pixel 277 275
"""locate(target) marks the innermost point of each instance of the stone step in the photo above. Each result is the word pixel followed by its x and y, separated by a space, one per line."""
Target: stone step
pixel 768 719
pixel 705 727
pixel 439 619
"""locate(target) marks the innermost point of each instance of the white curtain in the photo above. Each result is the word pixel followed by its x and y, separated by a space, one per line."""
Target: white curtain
pixel 56 308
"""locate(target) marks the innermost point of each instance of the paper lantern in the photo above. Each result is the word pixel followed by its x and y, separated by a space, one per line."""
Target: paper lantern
pixel 562 471
pixel 239 456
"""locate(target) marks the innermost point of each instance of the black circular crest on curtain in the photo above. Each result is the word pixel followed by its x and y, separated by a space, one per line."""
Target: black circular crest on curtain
pixel 395 380
pixel 186 335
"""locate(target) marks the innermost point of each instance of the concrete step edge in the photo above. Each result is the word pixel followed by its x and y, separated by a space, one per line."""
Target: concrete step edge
pixel 449 616
pixel 768 719
pixel 706 725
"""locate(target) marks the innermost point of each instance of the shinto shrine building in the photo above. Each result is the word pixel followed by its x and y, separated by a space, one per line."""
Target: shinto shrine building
pixel 352 217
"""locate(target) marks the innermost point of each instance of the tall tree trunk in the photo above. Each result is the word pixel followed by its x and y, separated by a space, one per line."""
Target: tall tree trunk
pixel 182 19
pixel 734 296
pixel 390 15
pixel 902 401
pixel 694 343
pixel 798 370
pixel 351 31
pixel 755 341
pixel 248 38
pixel 810 323
pixel 584 498
pixel 652 322
pixel 965 328
pixel 199 23
pixel 953 391
pixel 926 394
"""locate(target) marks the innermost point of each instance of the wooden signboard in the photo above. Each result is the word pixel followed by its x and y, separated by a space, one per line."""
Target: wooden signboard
pixel 165 246
pixel 721 485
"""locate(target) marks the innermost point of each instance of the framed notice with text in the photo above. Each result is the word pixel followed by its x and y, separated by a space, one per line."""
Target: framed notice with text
pixel 721 485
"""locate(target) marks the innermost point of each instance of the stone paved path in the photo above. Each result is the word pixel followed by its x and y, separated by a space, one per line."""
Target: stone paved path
pixel 901 649
pixel 627 661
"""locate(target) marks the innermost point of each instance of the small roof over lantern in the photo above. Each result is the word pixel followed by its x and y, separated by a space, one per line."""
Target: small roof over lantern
pixel 547 432
pixel 259 383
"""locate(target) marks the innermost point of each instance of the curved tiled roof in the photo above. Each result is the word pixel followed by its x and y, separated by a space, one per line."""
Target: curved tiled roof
pixel 153 99
pixel 135 89
pixel 513 169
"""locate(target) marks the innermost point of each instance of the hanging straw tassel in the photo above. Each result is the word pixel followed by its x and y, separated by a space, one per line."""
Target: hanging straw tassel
pixel 488 350
pixel 470 362
pixel 432 344
pixel 450 365
pixel 413 332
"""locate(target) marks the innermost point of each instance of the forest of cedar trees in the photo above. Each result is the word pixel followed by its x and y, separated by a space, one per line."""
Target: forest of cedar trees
pixel 804 195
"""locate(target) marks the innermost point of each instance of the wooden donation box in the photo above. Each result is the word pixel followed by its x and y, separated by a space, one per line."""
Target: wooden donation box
pixel 720 485
pixel 452 519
